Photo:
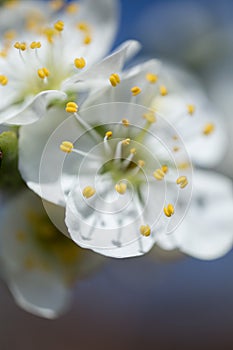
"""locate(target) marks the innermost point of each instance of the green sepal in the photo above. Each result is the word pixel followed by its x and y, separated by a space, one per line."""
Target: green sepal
pixel 10 178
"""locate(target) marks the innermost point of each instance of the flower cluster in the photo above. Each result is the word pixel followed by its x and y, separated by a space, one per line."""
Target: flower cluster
pixel 112 152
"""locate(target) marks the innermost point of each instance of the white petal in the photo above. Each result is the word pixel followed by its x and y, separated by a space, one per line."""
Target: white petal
pixel 103 18
pixel 98 75
pixel 206 231
pixel 31 110
pixel 39 293
pixel 41 163
pixel 122 93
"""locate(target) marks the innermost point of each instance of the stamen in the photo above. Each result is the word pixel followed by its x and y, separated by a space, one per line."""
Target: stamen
pixel 59 26
pixel 121 187
pixel 3 80
pixel 35 45
pixel 159 174
pixel 88 192
pixel 150 117
pixel 79 63
pixel 9 35
pixel 136 90
pixel 108 134
pixel 87 39
pixel 152 78
pixel 66 146
pixel 163 90
pixel 83 26
pixel 43 73
pixel 182 181
pixel 176 149
pixel 49 33
pixel 145 230
pixel 141 163
pixel 191 109
pixel 4 53
pixel 133 151
pixel 125 122
pixel 164 168
pixel 71 107
pixel 114 79
pixel 72 8
pixel 208 129
pixel 126 142
pixel 20 46
pixel 56 4
pixel 169 210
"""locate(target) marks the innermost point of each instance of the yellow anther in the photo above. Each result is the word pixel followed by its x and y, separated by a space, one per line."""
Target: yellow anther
pixel 169 210
pixel 71 107
pixel 3 53
pixel 35 45
pixel 163 90
pixel 108 134
pixel 9 35
pixel 3 80
pixel 121 187
pixel 164 168
pixel 175 137
pixel 20 46
pixel 145 230
pixel 159 174
pixel 88 192
pixel 183 166
pixel 43 73
pixel 133 151
pixel 49 33
pixel 79 62
pixel 83 26
pixel 59 26
pixel 176 149
pixel 191 109
pixel 150 117
pixel 141 163
pixel 56 4
pixel 66 146
pixel 135 90
pixel 152 78
pixel 72 8
pixel 182 181
pixel 208 129
pixel 125 122
pixel 114 79
pixel 87 39
pixel 126 142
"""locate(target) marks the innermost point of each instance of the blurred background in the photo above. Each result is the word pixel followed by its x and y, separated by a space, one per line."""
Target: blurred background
pixel 162 300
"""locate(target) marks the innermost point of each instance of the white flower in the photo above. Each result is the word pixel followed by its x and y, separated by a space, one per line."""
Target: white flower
pixel 37 61
pixel 112 205
pixel 39 264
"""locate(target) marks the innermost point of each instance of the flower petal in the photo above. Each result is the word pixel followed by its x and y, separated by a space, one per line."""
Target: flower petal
pixel 39 293
pixel 31 110
pixel 45 169
pixel 206 231
pixel 98 75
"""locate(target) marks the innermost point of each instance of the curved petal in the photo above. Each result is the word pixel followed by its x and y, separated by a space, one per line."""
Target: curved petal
pixel 39 293
pixel 98 75
pixel 102 16
pixel 45 169
pixel 31 110
pixel 206 231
